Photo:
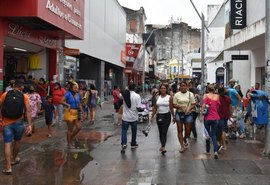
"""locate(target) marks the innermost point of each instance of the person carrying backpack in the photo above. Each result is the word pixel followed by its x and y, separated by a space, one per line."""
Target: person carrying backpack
pixel 13 105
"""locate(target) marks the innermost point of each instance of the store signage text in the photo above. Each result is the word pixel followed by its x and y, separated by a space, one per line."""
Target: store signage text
pixel 132 51
pixel 238 14
pixel 17 30
pixel 20 32
pixel 66 16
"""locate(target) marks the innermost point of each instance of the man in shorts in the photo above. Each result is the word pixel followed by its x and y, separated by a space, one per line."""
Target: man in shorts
pixel 13 130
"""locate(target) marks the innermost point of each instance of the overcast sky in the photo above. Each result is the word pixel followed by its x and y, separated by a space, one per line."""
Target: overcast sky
pixel 160 11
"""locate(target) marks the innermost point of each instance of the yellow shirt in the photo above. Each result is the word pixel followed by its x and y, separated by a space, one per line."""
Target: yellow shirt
pixel 184 100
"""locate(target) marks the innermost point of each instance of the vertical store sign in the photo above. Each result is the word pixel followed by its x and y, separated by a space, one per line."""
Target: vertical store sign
pixel 132 51
pixel 238 14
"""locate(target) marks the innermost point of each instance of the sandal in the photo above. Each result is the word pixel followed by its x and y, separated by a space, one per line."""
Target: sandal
pixel 17 161
pixel 71 147
pixel 7 172
pixel 163 152
pixel 182 150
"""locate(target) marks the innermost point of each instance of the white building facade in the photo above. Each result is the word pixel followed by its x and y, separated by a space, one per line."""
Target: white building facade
pixel 240 52
pixel 104 41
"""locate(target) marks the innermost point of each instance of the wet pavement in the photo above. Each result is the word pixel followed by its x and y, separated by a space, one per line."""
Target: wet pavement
pixel 97 159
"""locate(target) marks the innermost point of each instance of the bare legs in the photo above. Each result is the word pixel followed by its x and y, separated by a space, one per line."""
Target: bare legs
pixel 182 139
pixel 71 133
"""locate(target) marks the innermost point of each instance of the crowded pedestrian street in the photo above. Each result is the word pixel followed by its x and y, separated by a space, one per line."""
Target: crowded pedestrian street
pixel 134 92
pixel 97 159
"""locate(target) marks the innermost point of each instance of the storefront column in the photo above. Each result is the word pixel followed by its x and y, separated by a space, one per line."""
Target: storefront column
pixel 100 83
pixel 52 63
pixel 60 66
pixel 1 54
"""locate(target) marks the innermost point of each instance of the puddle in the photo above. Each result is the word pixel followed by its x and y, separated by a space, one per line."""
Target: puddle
pixel 56 165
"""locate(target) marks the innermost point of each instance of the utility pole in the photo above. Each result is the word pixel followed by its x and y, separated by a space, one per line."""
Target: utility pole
pixel 182 58
pixel 202 45
pixel 202 55
pixel 267 69
pixel 171 50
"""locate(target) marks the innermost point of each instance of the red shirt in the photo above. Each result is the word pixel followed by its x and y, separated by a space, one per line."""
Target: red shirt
pixel 42 90
pixel 116 95
pixel 57 96
pixel 224 109
pixel 213 108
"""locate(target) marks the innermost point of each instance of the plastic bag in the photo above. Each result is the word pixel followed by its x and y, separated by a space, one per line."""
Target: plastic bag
pixel 146 130
pixel 205 133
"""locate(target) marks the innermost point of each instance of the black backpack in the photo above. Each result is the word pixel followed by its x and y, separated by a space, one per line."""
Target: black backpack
pixel 13 106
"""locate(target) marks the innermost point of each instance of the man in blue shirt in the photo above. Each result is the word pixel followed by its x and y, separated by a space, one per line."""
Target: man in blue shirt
pixel 236 104
pixel 236 99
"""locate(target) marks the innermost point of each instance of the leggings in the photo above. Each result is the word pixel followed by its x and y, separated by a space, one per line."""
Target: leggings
pixel 163 122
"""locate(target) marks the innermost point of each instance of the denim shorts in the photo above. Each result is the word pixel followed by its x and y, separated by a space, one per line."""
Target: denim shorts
pixel 222 125
pixel 13 131
pixel 188 118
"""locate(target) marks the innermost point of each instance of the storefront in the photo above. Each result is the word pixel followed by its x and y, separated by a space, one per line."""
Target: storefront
pixel 32 34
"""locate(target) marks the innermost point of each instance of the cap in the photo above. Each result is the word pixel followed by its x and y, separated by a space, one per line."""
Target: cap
pixel 232 80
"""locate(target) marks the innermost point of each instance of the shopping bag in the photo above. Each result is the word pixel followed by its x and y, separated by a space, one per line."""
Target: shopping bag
pixel 205 133
pixel 146 130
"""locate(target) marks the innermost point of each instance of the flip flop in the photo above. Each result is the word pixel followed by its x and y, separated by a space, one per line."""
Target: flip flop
pixel 17 161
pixel 163 152
pixel 7 172
pixel 71 147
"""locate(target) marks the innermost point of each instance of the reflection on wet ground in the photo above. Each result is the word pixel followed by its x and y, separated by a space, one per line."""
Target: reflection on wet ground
pixel 55 164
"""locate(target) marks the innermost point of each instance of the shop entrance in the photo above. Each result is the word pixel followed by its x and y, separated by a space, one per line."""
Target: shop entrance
pixel 22 59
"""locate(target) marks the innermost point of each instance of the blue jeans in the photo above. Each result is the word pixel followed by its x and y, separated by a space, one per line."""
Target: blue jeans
pixel 13 131
pixel 125 126
pixel 241 126
pixel 211 127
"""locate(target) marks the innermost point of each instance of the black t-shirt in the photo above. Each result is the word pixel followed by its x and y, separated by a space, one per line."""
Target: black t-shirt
pixel 48 108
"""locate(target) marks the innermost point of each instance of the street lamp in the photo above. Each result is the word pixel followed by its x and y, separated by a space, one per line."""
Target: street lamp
pixel 144 48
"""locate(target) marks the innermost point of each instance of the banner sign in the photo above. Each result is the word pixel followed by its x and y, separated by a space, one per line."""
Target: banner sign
pixel 132 51
pixel 238 14
pixel 71 52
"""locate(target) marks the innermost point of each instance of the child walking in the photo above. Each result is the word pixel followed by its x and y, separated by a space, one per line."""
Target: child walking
pixel 49 109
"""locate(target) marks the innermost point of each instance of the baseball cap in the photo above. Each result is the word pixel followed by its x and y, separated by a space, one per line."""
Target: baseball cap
pixel 232 80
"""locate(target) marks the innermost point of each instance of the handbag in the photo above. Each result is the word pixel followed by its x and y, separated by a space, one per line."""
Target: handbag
pixel 182 115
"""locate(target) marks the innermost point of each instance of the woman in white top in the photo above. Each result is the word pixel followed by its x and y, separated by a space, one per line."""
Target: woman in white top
pixel 164 109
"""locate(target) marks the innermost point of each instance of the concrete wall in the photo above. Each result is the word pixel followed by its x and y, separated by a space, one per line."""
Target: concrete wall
pixel 212 11
pixel 241 68
pixel 105 31
pixel 170 41
pixel 211 71
pixel 255 11
pixel 257 61
pixel 215 39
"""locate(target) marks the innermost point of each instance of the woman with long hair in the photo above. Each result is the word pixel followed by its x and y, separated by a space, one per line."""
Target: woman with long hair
pixel 164 109
pixel 224 112
pixel 72 101
pixel 210 116
pixel 92 102
pixel 42 88
pixel 183 102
